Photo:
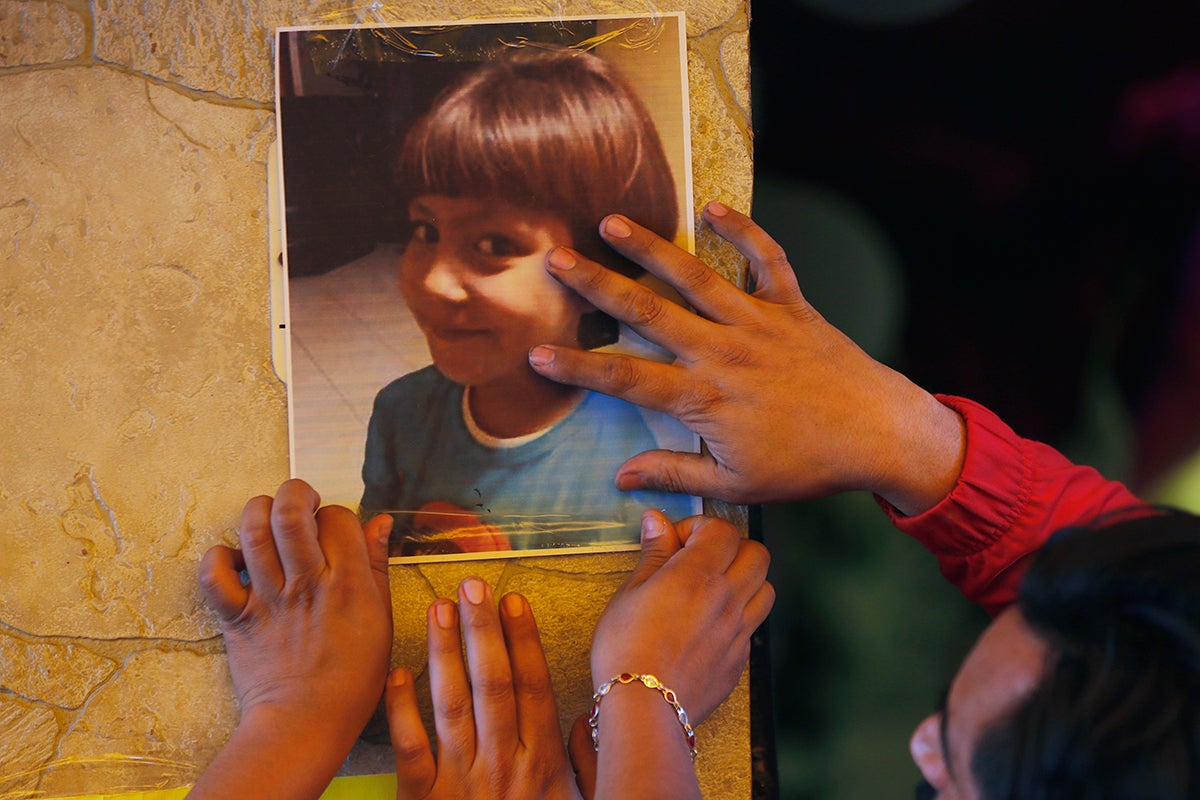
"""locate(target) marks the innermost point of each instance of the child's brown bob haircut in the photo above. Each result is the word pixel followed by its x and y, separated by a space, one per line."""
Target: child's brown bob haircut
pixel 552 130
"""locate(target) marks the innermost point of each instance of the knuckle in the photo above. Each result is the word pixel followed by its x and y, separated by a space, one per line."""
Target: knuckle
pixel 620 373
pixel 335 514
pixel 771 252
pixel 408 746
pixel 255 538
pixel 594 278
pixel 289 519
pixel 645 307
pixel 209 574
pixel 716 592
pixel 764 558
pixel 804 312
pixel 701 399
pixel 715 526
pixel 493 685
pixel 668 478
pixel 768 596
pixel 536 689
pixel 734 354
pixel 454 705
pixel 697 275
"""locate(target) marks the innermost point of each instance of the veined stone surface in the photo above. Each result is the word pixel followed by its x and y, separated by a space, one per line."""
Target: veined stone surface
pixel 141 405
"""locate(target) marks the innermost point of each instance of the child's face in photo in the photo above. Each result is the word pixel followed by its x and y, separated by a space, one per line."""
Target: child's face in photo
pixel 473 275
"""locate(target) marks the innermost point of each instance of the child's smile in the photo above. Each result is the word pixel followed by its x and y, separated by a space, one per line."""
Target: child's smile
pixel 473 276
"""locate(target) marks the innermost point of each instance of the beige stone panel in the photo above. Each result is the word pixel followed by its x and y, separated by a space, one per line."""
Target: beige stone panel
pixel 735 69
pixel 723 741
pixel 415 586
pixel 200 45
pixel 704 16
pixel 132 339
pixel 162 717
pixel 721 158
pixel 411 595
pixel 58 673
pixel 30 731
pixel 567 607
pixel 208 46
pixel 35 32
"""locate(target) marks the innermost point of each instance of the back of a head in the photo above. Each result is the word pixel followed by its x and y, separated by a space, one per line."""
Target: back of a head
pixel 553 130
pixel 1116 713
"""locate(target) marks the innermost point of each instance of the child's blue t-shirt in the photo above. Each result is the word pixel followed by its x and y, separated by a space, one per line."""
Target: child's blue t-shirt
pixel 555 491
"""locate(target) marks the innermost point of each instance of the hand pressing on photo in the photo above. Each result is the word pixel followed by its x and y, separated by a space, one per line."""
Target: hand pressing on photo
pixel 669 648
pixel 304 607
pixel 498 734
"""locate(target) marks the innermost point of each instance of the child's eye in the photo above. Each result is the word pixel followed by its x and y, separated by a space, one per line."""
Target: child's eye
pixel 500 246
pixel 423 232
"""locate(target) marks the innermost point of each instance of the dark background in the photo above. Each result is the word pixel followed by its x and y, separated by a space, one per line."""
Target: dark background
pixel 1001 200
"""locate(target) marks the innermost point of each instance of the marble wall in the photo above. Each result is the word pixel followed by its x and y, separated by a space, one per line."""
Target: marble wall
pixel 140 403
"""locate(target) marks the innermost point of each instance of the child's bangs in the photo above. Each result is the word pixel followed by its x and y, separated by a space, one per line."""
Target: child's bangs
pixel 459 157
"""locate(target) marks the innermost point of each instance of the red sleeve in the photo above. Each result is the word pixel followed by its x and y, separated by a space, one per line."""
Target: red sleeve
pixel 1013 493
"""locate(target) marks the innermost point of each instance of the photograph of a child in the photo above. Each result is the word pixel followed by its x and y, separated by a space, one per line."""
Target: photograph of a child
pixel 496 143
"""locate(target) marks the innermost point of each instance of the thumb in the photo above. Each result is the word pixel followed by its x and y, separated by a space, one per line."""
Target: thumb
pixel 378 531
pixel 671 471
pixel 583 757
pixel 659 542
pixel 220 581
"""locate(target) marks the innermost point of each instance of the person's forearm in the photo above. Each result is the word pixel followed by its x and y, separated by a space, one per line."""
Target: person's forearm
pixel 273 756
pixel 1013 493
pixel 643 749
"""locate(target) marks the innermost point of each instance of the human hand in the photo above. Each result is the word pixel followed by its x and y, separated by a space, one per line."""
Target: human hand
pixel 308 639
pixel 687 611
pixel 685 616
pixel 788 406
pixel 497 733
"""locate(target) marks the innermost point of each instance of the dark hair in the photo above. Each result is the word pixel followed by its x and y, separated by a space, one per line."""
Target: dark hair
pixel 554 130
pixel 1116 712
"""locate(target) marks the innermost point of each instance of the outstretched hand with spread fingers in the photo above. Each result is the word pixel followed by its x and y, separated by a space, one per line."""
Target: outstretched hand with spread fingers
pixel 788 406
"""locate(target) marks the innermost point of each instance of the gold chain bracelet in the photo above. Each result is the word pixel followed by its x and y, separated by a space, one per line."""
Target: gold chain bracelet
pixel 650 682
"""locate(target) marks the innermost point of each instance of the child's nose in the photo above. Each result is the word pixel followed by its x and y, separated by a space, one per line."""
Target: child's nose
pixel 445 281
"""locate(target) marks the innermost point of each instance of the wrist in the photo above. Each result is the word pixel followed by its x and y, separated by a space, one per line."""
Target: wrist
pixel 923 454
pixel 276 750
pixel 654 685
pixel 643 748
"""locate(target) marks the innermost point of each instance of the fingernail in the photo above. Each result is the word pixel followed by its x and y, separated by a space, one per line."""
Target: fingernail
pixel 541 355
pixel 652 525
pixel 629 481
pixel 473 589
pixel 717 209
pixel 385 530
pixel 615 226
pixel 398 677
pixel 514 605
pixel 561 258
pixel 443 611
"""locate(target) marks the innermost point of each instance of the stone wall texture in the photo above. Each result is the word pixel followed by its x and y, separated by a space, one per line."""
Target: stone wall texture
pixel 141 407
